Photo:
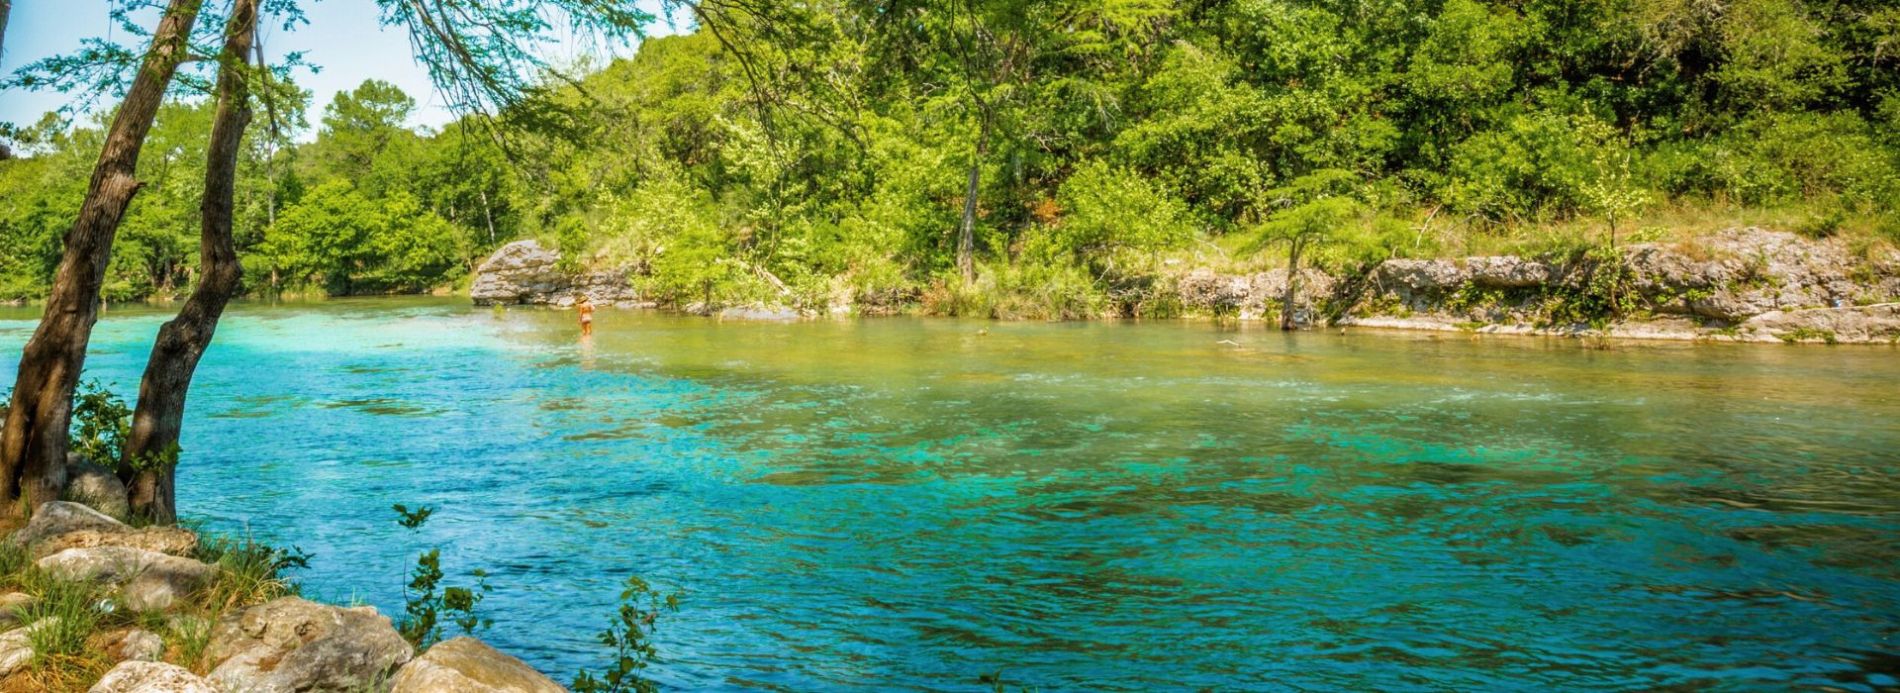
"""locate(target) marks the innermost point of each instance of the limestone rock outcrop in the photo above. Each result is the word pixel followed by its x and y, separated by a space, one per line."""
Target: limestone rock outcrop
pixel 525 272
pixel 137 676
pixel 146 580
pixel 467 665
pixel 291 644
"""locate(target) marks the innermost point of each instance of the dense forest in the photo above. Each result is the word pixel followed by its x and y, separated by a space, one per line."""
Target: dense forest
pixel 1055 154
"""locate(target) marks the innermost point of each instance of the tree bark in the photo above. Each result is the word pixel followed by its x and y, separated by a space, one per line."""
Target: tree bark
pixel 6 8
pixel 966 233
pixel 488 214
pixel 151 453
pixel 1294 246
pixel 33 442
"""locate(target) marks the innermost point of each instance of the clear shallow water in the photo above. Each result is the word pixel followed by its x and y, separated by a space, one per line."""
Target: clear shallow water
pixel 910 504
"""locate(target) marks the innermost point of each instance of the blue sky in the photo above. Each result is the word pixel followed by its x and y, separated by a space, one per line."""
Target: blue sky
pixel 343 37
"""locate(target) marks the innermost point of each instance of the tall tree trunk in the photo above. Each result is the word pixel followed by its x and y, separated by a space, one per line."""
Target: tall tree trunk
pixel 488 214
pixel 151 456
pixel 6 8
pixel 33 442
pixel 1294 246
pixel 966 233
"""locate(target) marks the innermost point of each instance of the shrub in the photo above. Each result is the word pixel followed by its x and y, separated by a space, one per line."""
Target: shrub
pixel 630 635
pixel 1537 165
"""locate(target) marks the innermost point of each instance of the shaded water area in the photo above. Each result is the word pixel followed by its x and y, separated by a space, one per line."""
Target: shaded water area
pixel 910 504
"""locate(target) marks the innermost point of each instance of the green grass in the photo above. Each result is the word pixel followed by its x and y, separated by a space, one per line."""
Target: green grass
pixel 72 620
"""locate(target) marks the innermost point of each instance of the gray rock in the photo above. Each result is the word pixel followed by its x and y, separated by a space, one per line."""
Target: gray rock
pixel 1253 296
pixel 1217 292
pixel 54 518
pixel 525 272
pixel 147 580
pixel 150 677
pixel 167 540
pixel 1422 276
pixel 517 273
pixel 290 644
pixel 135 644
pixel 62 525
pixel 760 314
pixel 16 646
pixel 1507 272
pixel 1877 323
pixel 467 665
pixel 97 487
pixel 11 606
pixel 1741 273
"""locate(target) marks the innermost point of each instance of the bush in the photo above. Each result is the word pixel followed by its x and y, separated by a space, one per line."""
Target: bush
pixel 630 635
pixel 1107 215
pixel 1782 158
pixel 1538 165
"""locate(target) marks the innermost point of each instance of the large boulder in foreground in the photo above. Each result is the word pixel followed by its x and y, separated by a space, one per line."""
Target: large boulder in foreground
pixel 166 540
pixel 291 644
pixel 54 518
pixel 147 580
pixel 61 525
pixel 467 665
pixel 150 677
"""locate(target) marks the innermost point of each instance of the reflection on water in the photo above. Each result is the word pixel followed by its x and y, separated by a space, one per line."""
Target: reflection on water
pixel 913 504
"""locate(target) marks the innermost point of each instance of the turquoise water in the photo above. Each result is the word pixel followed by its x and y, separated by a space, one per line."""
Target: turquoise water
pixel 911 504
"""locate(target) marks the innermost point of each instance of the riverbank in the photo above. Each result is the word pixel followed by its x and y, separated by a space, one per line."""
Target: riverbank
pixel 1746 284
pixel 90 603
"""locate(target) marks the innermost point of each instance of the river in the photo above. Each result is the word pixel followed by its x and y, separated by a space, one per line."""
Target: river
pixel 912 503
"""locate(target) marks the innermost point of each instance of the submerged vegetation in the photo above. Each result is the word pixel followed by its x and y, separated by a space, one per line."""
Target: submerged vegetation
pixel 1062 153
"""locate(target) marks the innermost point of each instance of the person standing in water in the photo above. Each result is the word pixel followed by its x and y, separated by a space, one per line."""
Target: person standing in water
pixel 586 309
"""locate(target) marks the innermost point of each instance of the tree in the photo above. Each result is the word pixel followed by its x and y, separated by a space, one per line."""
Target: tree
pixel 6 8
pixel 1313 210
pixel 34 440
pixel 358 126
pixel 151 454
pixel 349 243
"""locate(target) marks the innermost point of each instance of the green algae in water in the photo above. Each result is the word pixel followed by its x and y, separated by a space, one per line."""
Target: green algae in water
pixel 909 504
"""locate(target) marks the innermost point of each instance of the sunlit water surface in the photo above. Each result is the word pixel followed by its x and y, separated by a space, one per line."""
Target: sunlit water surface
pixel 912 504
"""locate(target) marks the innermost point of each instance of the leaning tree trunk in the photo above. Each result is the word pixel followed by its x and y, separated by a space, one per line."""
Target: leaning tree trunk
pixel 34 440
pixel 966 233
pixel 6 8
pixel 151 455
pixel 1294 246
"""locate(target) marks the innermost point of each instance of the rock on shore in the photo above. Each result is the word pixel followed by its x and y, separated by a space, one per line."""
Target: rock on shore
pixel 471 666
pixel 1745 284
pixel 525 272
pixel 286 644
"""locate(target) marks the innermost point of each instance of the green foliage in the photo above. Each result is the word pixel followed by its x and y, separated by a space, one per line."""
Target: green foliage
pixel 1537 165
pixel 101 424
pixel 1110 214
pixel 630 636
pixel 427 602
pixel 412 519
pixel 1312 209
pixel 814 154
pixel 348 243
